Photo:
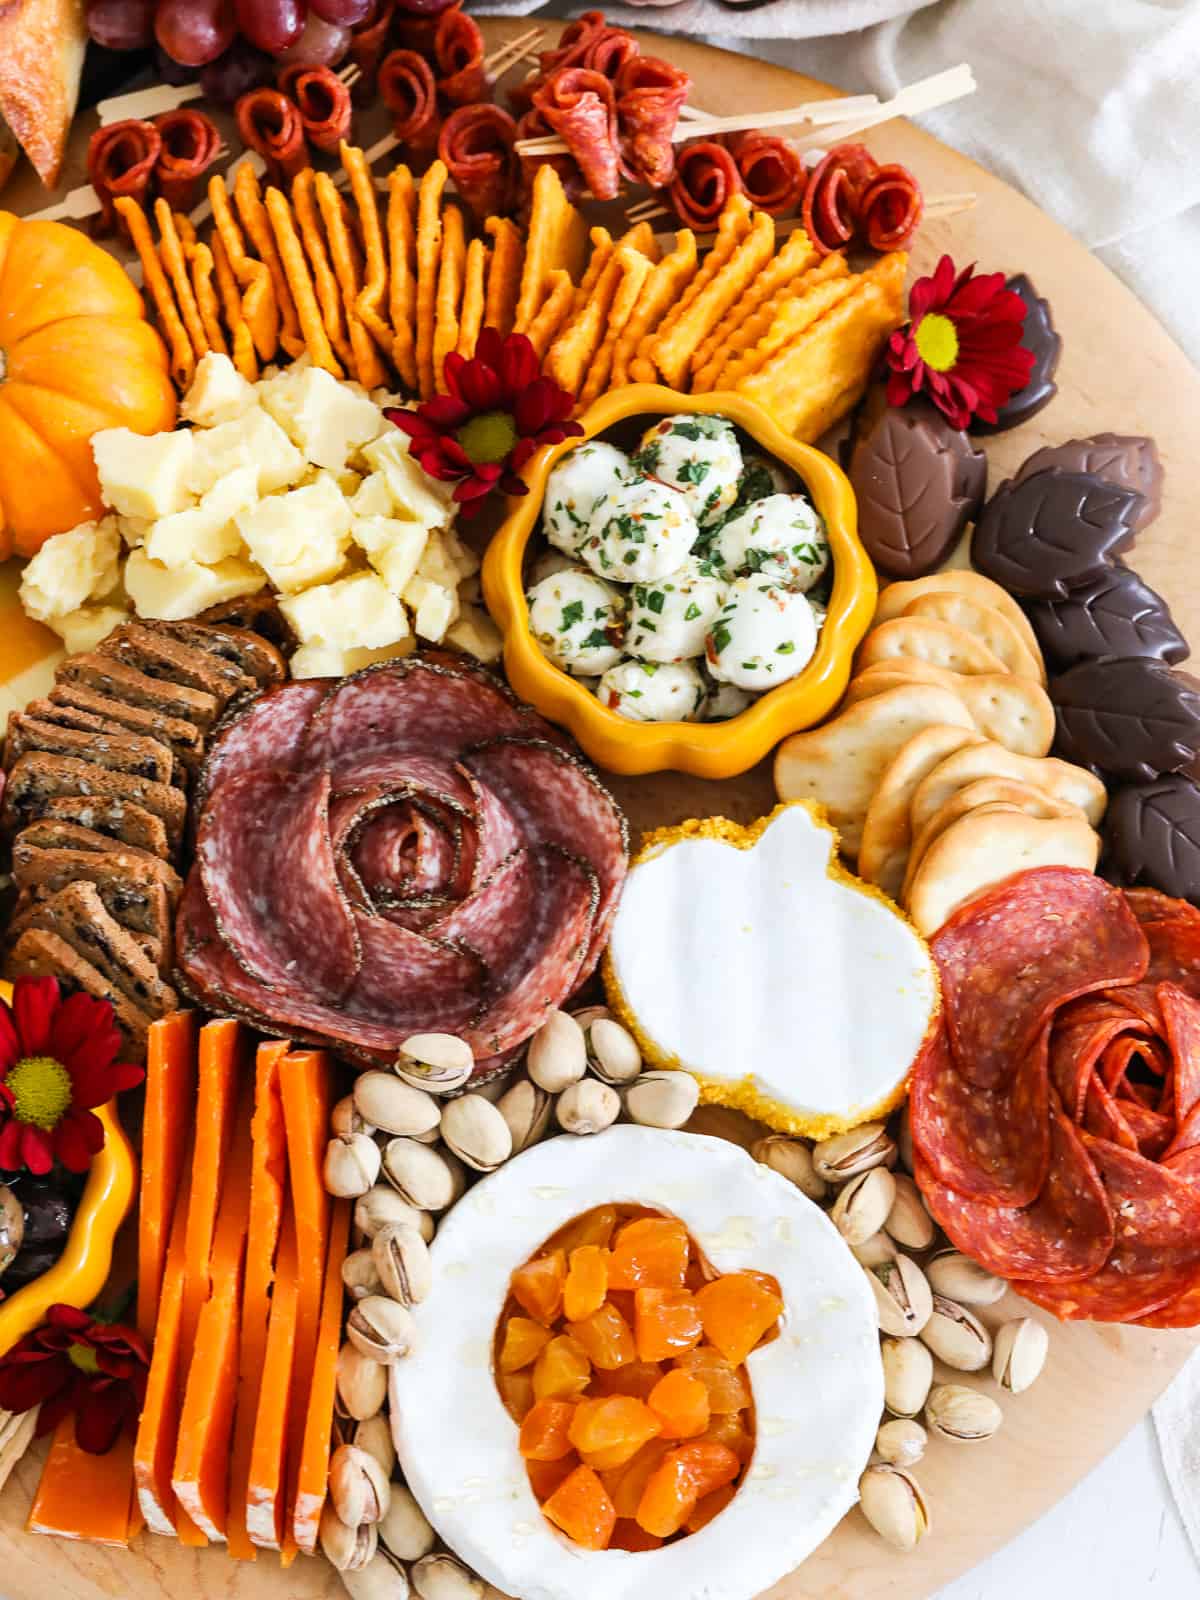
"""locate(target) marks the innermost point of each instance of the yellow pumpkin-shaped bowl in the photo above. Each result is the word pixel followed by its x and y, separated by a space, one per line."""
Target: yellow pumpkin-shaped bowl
pixel 79 1274
pixel 708 750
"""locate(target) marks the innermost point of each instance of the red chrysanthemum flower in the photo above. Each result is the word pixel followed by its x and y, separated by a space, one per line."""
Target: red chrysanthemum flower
pixel 962 347
pixel 75 1363
pixel 58 1059
pixel 498 411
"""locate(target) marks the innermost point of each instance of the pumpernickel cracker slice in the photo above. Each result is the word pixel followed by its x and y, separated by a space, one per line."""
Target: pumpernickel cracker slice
pixel 135 897
pixel 107 676
pixel 840 764
pixel 184 738
pixel 159 656
pixel 48 833
pixel 78 915
pixel 256 613
pixel 40 953
pixel 886 837
pixel 27 914
pixel 38 777
pixel 122 752
pixel 1061 780
pixel 255 657
pixel 121 820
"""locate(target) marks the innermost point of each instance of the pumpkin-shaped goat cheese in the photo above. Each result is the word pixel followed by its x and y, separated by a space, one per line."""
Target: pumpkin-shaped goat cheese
pixel 76 355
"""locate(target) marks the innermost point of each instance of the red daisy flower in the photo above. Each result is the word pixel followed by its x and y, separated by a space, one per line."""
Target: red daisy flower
pixel 58 1059
pixel 76 1363
pixel 962 347
pixel 498 411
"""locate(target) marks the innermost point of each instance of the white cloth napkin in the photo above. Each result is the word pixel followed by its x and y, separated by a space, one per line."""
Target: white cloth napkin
pixel 1177 1424
pixel 754 19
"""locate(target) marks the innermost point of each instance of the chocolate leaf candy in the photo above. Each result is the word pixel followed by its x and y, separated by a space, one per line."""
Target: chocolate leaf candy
pixel 918 482
pixel 1152 834
pixel 1134 718
pixel 1115 615
pixel 1053 533
pixel 1042 338
pixel 1127 461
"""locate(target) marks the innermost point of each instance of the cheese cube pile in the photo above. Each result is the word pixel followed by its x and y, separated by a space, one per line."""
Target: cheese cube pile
pixel 299 482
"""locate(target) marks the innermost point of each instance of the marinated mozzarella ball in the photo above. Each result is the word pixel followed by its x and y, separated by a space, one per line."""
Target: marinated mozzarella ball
pixel 669 619
pixel 578 621
pixel 765 634
pixel 781 536
pixel 762 476
pixel 722 701
pixel 573 489
pixel 653 691
pixel 698 455
pixel 639 531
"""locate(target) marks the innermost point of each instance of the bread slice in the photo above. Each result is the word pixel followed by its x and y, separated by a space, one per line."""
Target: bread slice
pixel 256 658
pixel 48 833
pixel 42 46
pixel 39 953
pixel 184 738
pixel 79 916
pixel 106 676
pixel 121 752
pixel 38 777
pixel 121 820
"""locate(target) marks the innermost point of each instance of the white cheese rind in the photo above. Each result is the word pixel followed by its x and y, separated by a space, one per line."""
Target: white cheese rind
pixel 757 961
pixel 818 1388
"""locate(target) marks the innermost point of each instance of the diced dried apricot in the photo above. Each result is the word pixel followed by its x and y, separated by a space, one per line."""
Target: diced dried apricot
pixel 537 1287
pixel 581 1508
pixel 622 1299
pixel 737 1310
pixel 651 1253
pixel 711 1466
pixel 680 1402
pixel 587 1282
pixel 562 1370
pixel 523 1343
pixel 711 1506
pixel 544 1433
pixel 545 1476
pixel 609 1432
pixel 628 1536
pixel 666 1322
pixel 607 1338
pixel 637 1378
pixel 730 1431
pixel 668 1499
pixel 594 1227
pixel 516 1391
pixel 627 1484
pixel 727 1387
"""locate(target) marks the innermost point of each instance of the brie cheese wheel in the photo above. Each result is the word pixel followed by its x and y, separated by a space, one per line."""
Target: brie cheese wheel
pixel 793 991
pixel 818 1387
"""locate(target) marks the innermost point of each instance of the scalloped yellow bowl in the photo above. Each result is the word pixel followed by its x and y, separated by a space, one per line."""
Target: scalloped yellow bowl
pixel 713 749
pixel 79 1274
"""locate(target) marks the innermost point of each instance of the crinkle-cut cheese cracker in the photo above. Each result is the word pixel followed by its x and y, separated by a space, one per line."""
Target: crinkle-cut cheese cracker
pixel 635 269
pixel 602 249
pixel 794 257
pixel 786 318
pixel 732 227
pixel 749 956
pixel 571 353
pixel 672 351
pixel 557 237
pixel 666 283
pixel 553 313
pixel 504 274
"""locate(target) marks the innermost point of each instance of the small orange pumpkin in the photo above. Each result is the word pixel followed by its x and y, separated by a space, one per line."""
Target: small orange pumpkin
pixel 76 355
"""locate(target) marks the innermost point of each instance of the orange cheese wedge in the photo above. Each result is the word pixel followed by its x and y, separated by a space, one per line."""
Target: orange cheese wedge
pixel 81 1496
pixel 265 1489
pixel 314 1455
pixel 170 1097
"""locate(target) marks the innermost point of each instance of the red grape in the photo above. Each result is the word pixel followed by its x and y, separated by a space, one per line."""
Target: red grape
pixel 234 74
pixel 271 25
pixel 424 8
pixel 320 45
pixel 170 71
pixel 343 13
pixel 121 24
pixel 195 32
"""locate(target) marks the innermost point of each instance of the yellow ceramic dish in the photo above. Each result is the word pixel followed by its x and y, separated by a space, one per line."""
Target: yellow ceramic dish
pixel 713 749
pixel 79 1274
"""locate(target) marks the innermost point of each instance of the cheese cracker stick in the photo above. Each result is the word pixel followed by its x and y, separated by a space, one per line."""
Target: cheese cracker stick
pixel 470 319
pixel 368 368
pixel 304 204
pixel 158 287
pixel 429 250
pixel 241 341
pixel 371 304
pixel 247 196
pixel 504 274
pixel 260 309
pixel 402 257
pixel 170 250
pixel 202 265
pixel 299 276
pixel 449 293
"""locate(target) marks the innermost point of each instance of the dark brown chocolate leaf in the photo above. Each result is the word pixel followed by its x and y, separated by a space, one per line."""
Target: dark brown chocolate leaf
pixel 1116 615
pixel 1053 533
pixel 1043 339
pixel 1134 718
pixel 1127 461
pixel 918 482
pixel 1152 834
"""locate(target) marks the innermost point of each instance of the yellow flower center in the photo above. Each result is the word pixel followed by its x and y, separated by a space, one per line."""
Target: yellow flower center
pixel 41 1091
pixel 936 338
pixel 488 438
pixel 83 1357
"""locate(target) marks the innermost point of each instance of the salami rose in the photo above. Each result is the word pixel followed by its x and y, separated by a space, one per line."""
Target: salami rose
pixel 609 51
pixel 580 107
pixel 121 161
pixel 650 95
pixel 833 196
pixel 458 50
pixel 476 144
pixel 773 172
pixel 890 209
pixel 269 123
pixel 706 175
pixel 570 50
pixel 408 89
pixel 533 125
pixel 190 142
pixel 368 45
pixel 323 102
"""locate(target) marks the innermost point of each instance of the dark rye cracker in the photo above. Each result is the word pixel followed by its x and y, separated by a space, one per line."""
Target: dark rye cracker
pixel 48 833
pixel 107 676
pixel 135 897
pixel 256 657
pixel 40 953
pixel 121 820
pixel 79 916
pixel 157 655
pixel 255 613
pixel 184 738
pixel 122 752
pixel 72 716
pixel 26 914
pixel 37 778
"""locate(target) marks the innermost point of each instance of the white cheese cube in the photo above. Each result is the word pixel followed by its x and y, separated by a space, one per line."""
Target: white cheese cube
pixel 331 661
pixel 477 634
pixel 437 564
pixel 356 611
pixel 83 630
pixel 173 593
pixel 323 417
pixel 393 547
pixel 299 538
pixel 133 530
pixel 218 393
pixel 436 608
pixel 71 568
pixel 373 498
pixel 144 475
pixel 414 493
pixel 205 533
pixel 252 440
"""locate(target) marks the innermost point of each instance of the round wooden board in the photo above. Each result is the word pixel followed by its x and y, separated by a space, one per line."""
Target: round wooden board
pixel 1120 372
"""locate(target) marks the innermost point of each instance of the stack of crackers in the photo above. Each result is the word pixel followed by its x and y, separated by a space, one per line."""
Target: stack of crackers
pixel 936 772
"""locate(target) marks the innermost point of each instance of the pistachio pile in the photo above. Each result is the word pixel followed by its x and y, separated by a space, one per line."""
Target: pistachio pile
pixel 929 1313
pixel 405 1151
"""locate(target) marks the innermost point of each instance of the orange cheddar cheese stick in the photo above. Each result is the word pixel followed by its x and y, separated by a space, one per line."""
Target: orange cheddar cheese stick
pixel 220 1052
pixel 268 1455
pixel 314 1456
pixel 268 1187
pixel 170 1097
pixel 201 1475
pixel 81 1496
